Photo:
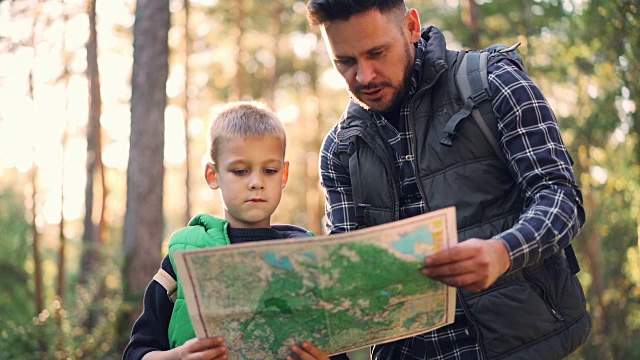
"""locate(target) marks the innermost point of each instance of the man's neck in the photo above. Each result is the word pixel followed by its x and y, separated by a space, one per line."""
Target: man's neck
pixel 392 116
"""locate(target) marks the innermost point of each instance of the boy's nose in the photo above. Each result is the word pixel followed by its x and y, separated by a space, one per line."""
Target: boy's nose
pixel 256 183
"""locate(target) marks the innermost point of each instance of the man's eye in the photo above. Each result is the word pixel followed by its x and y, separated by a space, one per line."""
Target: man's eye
pixel 343 62
pixel 239 172
pixel 376 54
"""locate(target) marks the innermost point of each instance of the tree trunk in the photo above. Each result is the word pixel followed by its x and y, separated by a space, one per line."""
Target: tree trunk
pixel 144 223
pixel 315 198
pixel 93 216
pixel 238 91
pixel 593 253
pixel 471 19
pixel 188 49
pixel 33 178
pixel 272 72
pixel 35 238
pixel 61 287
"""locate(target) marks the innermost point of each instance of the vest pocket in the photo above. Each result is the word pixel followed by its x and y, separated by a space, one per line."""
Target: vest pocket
pixel 512 316
pixel 376 216
pixel 538 301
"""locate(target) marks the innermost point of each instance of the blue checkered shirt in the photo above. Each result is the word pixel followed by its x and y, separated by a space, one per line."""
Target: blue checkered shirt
pixel 538 160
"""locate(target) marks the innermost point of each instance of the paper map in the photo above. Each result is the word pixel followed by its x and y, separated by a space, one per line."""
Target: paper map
pixel 341 292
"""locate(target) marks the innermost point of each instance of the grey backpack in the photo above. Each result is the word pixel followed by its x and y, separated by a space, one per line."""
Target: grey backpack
pixel 473 86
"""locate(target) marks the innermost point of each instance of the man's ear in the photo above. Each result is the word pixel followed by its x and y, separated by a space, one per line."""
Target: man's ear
pixel 412 24
pixel 285 174
pixel 211 176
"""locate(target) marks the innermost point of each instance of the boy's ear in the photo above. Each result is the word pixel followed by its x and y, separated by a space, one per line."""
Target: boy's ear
pixel 285 174
pixel 211 176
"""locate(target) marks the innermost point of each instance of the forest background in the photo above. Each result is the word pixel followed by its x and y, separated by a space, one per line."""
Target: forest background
pixel 103 113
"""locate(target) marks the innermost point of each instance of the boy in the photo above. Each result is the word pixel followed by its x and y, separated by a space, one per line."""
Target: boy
pixel 247 146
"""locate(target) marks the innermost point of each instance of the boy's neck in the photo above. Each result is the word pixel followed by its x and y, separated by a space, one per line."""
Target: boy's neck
pixel 240 235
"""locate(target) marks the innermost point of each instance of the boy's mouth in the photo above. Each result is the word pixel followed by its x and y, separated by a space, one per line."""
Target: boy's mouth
pixel 256 200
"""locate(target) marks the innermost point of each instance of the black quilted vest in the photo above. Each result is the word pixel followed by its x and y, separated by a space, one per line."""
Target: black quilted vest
pixel 535 313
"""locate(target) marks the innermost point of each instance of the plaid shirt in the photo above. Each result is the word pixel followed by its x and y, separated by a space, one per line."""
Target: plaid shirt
pixel 538 160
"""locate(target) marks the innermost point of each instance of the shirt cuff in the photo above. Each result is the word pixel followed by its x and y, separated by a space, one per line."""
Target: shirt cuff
pixel 520 247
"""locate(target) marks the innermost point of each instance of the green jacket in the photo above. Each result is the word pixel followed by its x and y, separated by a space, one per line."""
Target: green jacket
pixel 203 231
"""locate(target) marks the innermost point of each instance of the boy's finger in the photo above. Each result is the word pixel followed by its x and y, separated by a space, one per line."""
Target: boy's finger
pixel 314 351
pixel 206 343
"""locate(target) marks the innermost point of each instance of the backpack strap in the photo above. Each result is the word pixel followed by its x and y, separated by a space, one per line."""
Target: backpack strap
pixel 168 283
pixel 473 85
pixel 472 82
pixel 346 151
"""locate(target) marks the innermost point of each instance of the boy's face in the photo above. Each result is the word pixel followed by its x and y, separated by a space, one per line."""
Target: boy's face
pixel 250 173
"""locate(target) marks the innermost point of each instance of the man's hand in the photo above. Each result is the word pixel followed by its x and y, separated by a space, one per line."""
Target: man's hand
pixel 306 351
pixel 472 265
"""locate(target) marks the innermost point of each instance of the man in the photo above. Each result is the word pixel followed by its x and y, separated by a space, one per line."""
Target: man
pixel 517 297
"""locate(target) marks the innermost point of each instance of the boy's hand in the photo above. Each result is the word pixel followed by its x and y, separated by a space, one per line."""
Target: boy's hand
pixel 307 352
pixel 206 349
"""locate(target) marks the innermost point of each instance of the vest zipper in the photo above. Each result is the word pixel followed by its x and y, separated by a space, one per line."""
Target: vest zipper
pixel 472 323
pixel 547 299
pixel 414 159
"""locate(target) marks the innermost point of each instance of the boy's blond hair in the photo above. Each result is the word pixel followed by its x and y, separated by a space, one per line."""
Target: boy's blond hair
pixel 249 119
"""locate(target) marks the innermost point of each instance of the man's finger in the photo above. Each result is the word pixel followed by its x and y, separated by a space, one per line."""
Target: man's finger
pixel 457 280
pixel 458 252
pixel 450 269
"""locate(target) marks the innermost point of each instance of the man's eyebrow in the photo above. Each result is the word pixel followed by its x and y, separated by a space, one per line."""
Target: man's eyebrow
pixel 368 51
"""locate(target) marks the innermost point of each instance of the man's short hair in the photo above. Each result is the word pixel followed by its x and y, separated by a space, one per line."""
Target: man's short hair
pixel 246 119
pixel 320 12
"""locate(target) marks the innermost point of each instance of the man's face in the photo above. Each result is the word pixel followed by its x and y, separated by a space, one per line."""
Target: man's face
pixel 250 173
pixel 374 53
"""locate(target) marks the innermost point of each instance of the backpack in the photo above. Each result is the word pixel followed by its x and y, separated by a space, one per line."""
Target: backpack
pixel 471 77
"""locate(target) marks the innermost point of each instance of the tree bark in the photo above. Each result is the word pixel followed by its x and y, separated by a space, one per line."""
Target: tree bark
pixel 35 238
pixel 188 49
pixel 93 216
pixel 144 223
pixel 238 91
pixel 471 19
pixel 272 72
pixel 315 199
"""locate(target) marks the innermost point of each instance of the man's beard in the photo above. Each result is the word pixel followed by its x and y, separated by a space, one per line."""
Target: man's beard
pixel 400 94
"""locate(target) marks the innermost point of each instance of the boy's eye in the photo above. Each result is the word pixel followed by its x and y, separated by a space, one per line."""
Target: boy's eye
pixel 239 171
pixel 270 171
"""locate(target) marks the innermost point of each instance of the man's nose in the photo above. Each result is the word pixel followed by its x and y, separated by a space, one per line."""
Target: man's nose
pixel 366 72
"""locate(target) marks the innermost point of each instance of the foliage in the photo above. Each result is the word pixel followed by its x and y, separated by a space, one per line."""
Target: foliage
pixel 14 251
pixel 583 54
pixel 60 332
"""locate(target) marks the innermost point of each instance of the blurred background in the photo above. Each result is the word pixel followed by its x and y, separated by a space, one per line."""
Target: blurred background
pixel 104 107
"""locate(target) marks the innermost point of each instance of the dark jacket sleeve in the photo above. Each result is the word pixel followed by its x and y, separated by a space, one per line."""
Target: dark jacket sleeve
pixel 339 357
pixel 151 330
